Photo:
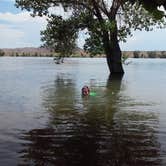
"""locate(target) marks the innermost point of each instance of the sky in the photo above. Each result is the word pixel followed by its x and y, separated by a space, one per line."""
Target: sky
pixel 18 29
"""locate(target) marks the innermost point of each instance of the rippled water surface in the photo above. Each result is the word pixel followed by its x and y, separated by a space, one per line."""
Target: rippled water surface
pixel 44 120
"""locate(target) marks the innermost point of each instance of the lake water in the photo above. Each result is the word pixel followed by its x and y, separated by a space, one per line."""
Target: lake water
pixel 44 120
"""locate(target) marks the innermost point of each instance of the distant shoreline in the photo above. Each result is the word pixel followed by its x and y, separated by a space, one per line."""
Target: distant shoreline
pixel 43 52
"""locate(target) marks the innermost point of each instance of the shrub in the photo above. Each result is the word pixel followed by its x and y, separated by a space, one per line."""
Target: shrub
pixel 2 53
pixel 136 54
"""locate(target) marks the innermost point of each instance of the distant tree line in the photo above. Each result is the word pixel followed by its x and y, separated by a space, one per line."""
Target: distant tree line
pixel 38 54
pixel 149 54
pixel 133 54
pixel 26 54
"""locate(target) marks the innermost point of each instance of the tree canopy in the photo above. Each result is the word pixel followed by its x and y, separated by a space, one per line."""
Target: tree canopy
pixel 60 35
pixel 153 6
pixel 106 21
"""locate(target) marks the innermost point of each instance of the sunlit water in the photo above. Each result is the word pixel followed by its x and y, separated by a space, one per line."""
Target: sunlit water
pixel 44 120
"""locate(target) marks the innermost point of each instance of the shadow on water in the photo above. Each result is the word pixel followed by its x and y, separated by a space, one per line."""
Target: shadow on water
pixel 98 132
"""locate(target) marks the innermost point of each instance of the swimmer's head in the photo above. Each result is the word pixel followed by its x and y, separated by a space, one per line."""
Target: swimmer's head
pixel 85 91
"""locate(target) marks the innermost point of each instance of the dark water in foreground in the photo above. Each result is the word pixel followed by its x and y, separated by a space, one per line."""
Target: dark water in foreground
pixel 45 121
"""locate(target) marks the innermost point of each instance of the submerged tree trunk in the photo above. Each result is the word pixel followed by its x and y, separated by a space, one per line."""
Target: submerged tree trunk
pixel 114 60
pixel 113 52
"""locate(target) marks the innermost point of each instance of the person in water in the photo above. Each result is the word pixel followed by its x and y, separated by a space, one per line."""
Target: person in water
pixel 85 91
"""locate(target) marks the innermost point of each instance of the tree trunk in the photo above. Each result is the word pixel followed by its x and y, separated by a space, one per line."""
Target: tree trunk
pixel 114 60
pixel 113 52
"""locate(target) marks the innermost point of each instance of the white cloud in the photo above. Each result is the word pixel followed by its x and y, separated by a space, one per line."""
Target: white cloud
pixel 8 32
pixel 59 10
pixel 20 17
pixel 142 40
pixel 20 30
pixel 9 36
pixel 81 39
pixel 8 0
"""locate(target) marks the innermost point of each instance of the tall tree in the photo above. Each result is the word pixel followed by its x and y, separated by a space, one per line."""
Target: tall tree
pixel 60 36
pixel 107 22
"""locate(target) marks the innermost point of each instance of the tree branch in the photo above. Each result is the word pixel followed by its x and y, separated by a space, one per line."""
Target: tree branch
pixel 114 8
pixel 97 11
pixel 103 8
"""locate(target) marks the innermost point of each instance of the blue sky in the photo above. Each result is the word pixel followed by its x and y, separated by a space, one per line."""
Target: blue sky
pixel 19 29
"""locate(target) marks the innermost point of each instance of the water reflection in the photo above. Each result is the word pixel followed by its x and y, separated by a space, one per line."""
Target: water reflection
pixel 91 131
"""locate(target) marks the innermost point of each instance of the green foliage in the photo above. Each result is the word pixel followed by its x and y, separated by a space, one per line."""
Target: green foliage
pixel 135 17
pixel 60 35
pixel 124 57
pixel 93 45
pixel 153 7
pixel 105 22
